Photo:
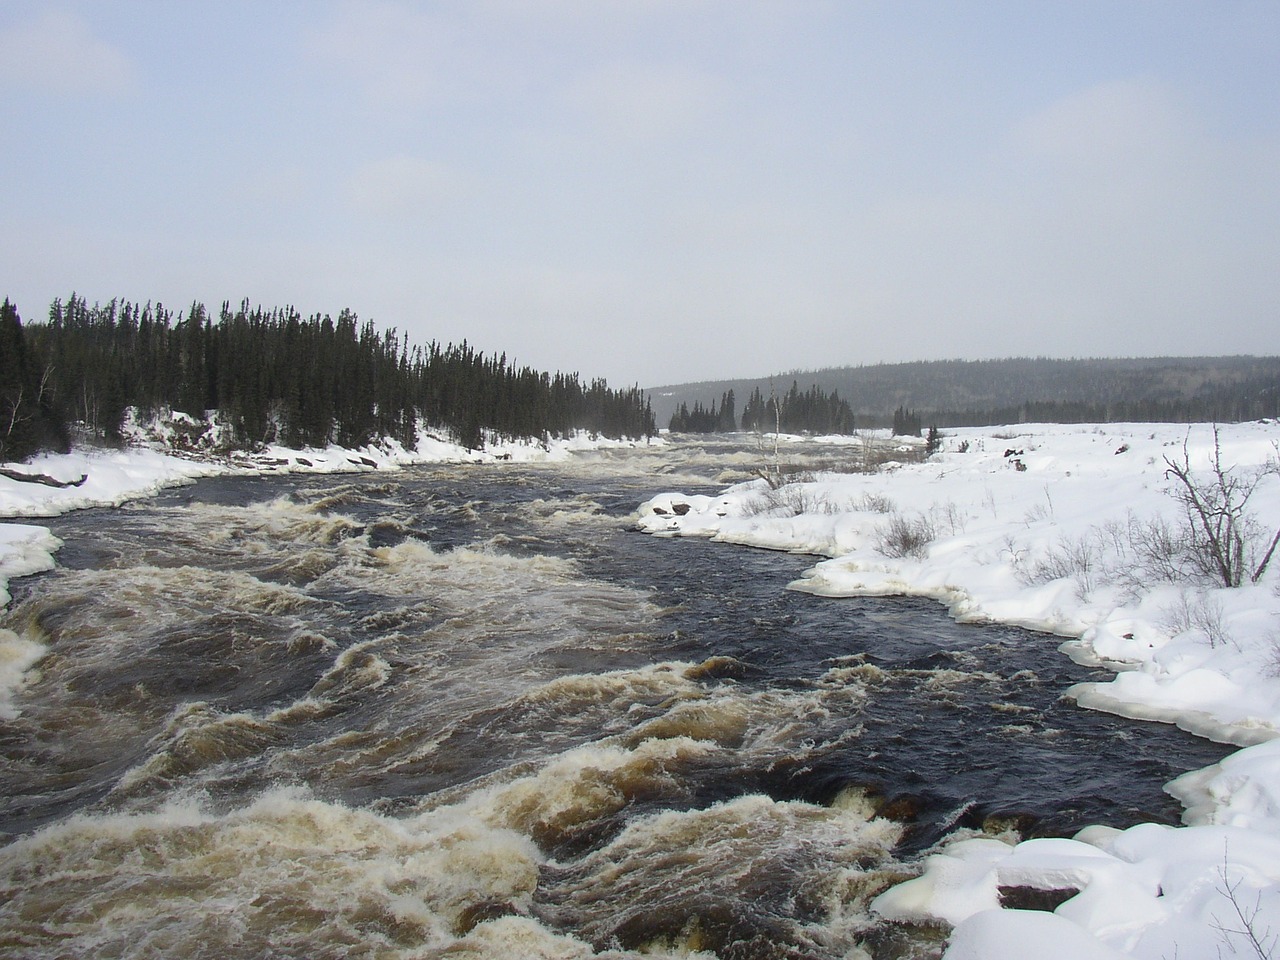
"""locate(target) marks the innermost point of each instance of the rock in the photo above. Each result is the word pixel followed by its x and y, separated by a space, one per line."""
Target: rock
pixel 903 808
pixel 476 914
pixel 1033 898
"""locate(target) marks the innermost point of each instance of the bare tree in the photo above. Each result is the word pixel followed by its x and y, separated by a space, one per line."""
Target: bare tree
pixel 1225 538
pixel 14 419
pixel 773 477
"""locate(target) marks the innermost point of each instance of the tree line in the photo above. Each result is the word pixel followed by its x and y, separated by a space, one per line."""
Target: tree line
pixel 906 423
pixel 703 420
pixel 273 375
pixel 813 411
pixel 1223 406
pixel 983 392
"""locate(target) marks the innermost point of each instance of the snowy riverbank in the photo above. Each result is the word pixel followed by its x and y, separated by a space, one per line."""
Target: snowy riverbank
pixel 1051 527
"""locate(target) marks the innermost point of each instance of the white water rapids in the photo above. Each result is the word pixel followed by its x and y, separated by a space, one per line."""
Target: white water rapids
pixel 464 713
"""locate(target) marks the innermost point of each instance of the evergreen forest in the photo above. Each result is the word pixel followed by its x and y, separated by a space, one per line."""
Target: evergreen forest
pixel 273 375
pixel 813 411
pixel 960 393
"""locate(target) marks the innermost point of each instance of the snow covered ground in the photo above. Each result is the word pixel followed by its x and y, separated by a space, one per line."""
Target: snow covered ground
pixel 1074 530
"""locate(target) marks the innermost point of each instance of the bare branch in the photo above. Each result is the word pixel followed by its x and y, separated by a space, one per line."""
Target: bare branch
pixel 1224 537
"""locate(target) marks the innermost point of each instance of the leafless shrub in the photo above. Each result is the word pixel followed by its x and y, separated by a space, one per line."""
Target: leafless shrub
pixel 1041 511
pixel 952 515
pixel 778 474
pixel 813 501
pixel 1131 554
pixel 875 450
pixel 1036 514
pixel 1011 547
pixel 1261 942
pixel 1113 535
pixel 791 500
pixel 1202 612
pixel 1074 558
pixel 873 503
pixel 989 499
pixel 1227 542
pixel 907 536
pixel 1272 665
pixel 1158 551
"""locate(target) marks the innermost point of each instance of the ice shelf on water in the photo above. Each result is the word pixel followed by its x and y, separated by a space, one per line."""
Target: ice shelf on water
pixel 1051 527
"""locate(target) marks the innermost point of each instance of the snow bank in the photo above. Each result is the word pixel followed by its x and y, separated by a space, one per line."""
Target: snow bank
pixel 1057 528
pixel 1150 891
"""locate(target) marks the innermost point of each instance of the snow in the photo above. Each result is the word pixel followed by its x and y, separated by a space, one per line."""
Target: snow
pixel 1048 527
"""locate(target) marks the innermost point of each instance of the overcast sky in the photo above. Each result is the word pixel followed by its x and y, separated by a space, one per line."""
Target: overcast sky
pixel 661 190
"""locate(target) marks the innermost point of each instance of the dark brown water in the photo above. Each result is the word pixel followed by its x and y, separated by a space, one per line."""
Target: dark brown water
pixel 466 712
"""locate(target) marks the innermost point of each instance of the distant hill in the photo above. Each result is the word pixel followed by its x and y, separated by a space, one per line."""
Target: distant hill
pixel 1023 389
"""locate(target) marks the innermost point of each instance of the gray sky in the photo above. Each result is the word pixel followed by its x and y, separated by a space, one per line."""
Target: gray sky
pixel 661 190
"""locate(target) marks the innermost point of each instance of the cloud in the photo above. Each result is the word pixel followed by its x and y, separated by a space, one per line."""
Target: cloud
pixel 403 186
pixel 392 50
pixel 646 101
pixel 1115 220
pixel 57 52
pixel 1130 169
pixel 1115 117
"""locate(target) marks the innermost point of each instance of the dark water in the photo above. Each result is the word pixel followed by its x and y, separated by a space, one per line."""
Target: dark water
pixel 468 712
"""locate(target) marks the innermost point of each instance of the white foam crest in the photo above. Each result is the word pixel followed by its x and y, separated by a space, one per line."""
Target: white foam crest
pixel 342 494
pixel 199 735
pixel 414 561
pixel 149 596
pixel 518 937
pixel 358 669
pixel 579 691
pixel 579 511
pixel 761 726
pixel 866 673
pixel 583 785
pixel 286 875
pixel 300 711
pixel 18 655
pixel 491 595
pixel 273 522
pixel 723 725
pixel 788 867
pixel 527 939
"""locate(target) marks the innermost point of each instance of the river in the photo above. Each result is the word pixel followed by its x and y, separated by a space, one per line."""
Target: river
pixel 468 712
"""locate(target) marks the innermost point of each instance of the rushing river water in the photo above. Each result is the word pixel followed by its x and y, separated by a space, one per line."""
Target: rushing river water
pixel 466 712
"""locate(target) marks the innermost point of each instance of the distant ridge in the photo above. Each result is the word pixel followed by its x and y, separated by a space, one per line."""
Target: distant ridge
pixel 1024 389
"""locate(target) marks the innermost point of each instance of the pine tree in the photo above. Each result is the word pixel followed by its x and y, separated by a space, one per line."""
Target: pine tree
pixel 313 380
pixel 29 421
